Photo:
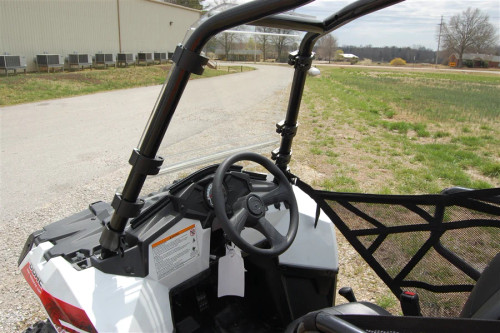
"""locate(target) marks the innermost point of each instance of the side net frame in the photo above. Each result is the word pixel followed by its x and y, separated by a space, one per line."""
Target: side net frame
pixel 436 245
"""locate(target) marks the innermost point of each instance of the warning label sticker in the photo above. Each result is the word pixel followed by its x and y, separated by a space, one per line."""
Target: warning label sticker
pixel 175 251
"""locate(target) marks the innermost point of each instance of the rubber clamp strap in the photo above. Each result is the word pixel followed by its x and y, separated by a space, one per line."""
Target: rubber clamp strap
pixel 145 165
pixel 126 208
pixel 286 130
pixel 188 60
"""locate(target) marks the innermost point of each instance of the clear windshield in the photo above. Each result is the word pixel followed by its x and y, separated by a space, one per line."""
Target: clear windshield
pixel 235 104
pixel 368 123
pixel 232 107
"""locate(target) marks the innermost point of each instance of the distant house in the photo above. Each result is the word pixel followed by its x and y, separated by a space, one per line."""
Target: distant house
pixel 349 56
pixel 475 60
pixel 239 55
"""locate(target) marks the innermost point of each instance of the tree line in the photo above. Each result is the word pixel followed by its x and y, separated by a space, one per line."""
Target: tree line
pixel 271 43
pixel 277 47
pixel 467 32
pixel 415 54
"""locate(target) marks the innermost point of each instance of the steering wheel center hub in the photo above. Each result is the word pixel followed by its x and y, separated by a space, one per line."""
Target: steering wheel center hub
pixel 256 206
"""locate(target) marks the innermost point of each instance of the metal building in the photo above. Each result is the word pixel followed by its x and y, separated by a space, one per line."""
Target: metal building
pixel 31 27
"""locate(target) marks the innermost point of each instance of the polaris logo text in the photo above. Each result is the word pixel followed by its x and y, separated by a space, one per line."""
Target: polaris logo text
pixel 33 273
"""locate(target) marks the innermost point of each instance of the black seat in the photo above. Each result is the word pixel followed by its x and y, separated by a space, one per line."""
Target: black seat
pixel 362 308
pixel 484 299
pixel 483 302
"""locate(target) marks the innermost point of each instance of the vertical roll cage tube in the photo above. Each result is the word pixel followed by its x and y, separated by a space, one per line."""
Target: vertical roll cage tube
pixel 258 12
pixel 302 64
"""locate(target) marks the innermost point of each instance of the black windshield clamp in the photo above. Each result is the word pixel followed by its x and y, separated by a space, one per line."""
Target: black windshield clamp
pixel 111 239
pixel 188 60
pixel 285 130
pixel 300 62
pixel 281 159
pixel 144 165
pixel 126 208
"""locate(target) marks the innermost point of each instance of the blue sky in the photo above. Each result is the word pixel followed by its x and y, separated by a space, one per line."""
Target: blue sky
pixel 412 22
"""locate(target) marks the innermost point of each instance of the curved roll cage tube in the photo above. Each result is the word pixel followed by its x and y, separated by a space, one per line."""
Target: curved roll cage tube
pixel 259 13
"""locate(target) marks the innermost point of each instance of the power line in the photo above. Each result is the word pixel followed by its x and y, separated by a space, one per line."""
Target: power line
pixel 439 39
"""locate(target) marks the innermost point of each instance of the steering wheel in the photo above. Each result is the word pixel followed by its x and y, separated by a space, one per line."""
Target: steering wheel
pixel 250 210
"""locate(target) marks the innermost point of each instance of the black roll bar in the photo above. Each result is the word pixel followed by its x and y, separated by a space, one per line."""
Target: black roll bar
pixel 260 12
pixel 302 63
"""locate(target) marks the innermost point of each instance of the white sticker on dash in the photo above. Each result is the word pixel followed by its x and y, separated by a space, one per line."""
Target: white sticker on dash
pixel 231 273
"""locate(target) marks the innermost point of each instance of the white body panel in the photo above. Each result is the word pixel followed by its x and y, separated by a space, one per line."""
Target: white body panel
pixel 143 304
pixel 125 304
pixel 313 248
pixel 193 263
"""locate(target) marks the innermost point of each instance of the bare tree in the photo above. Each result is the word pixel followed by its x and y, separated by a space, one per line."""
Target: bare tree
pixel 470 31
pixel 227 40
pixel 215 3
pixel 264 39
pixel 281 42
pixel 327 46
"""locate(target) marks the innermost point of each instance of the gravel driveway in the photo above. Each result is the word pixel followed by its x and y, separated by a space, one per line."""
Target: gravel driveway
pixel 58 156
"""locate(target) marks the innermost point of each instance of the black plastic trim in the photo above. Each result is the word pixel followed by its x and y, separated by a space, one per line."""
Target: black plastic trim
pixel 199 174
pixel 150 212
pixel 27 246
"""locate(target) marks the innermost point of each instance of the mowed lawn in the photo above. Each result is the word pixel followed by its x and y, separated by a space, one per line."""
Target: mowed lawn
pixel 32 87
pixel 400 132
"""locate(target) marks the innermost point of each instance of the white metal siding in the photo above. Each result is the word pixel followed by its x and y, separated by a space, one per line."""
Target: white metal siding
pixel 30 27
pixel 145 26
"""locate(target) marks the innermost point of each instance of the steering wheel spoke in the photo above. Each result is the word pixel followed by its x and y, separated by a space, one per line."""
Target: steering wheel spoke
pixel 276 196
pixel 239 219
pixel 269 231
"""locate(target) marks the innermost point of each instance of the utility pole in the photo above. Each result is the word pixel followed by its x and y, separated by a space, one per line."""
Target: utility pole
pixel 439 39
pixel 255 45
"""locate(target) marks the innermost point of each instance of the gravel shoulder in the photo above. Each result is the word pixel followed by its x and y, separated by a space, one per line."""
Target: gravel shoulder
pixel 70 156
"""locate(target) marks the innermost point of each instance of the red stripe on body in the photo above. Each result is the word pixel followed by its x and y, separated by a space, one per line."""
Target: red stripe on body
pixel 57 309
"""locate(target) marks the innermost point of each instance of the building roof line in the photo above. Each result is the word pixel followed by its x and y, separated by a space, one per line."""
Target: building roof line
pixel 174 5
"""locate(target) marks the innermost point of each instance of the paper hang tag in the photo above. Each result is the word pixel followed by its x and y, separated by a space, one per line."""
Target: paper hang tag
pixel 231 273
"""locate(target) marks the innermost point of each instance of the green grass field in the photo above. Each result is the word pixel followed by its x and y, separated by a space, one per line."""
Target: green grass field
pixel 385 131
pixel 405 132
pixel 17 89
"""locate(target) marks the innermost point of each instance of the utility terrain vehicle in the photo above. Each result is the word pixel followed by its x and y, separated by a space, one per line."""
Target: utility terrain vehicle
pixel 225 249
